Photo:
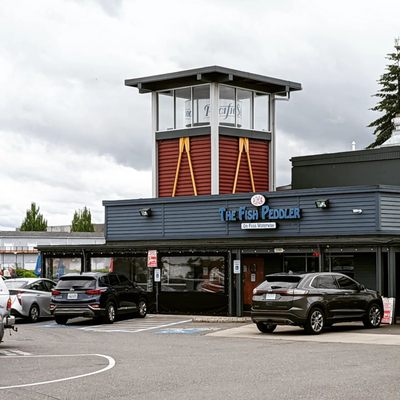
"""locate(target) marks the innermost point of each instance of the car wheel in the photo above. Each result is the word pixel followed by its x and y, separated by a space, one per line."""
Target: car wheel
pixel 374 316
pixel 34 313
pixel 315 321
pixel 61 320
pixel 264 327
pixel 142 312
pixel 111 313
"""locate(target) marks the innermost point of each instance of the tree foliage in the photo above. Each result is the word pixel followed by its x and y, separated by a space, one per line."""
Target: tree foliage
pixel 34 221
pixel 389 95
pixel 82 221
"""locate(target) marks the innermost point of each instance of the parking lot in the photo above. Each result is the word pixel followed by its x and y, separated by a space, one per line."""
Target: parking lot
pixel 171 357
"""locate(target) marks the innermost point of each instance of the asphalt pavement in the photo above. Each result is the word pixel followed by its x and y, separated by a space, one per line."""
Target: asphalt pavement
pixel 171 357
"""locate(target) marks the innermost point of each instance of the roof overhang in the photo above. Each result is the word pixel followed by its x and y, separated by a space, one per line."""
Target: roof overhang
pixel 214 73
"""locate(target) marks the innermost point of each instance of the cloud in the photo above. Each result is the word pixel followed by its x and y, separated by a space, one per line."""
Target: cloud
pixel 65 113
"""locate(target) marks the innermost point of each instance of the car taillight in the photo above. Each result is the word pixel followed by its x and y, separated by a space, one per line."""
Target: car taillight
pixel 93 292
pixel 55 292
pixel 9 304
pixel 19 297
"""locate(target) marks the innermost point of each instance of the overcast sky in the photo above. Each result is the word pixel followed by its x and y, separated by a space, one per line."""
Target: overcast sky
pixel 71 133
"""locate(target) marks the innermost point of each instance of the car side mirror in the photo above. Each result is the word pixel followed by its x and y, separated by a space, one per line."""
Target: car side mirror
pixel 361 287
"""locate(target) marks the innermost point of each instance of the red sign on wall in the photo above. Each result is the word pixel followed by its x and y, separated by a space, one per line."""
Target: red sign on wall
pixel 152 259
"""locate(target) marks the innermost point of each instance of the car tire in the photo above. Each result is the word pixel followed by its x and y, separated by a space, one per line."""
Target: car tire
pixel 111 313
pixel 374 316
pixel 61 320
pixel 142 308
pixel 315 321
pixel 34 313
pixel 265 327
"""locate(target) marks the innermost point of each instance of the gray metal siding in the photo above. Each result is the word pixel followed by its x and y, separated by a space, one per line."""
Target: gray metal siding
pixel 198 217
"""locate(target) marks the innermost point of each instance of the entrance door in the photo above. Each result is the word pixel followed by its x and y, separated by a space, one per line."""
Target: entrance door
pixel 253 275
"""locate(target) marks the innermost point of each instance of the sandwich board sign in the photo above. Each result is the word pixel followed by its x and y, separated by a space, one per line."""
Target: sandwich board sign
pixel 152 259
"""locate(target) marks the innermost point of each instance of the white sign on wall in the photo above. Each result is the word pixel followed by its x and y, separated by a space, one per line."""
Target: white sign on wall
pixel 157 275
pixel 236 266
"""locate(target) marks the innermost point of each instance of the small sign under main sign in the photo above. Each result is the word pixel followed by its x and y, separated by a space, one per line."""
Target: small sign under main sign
pixel 258 225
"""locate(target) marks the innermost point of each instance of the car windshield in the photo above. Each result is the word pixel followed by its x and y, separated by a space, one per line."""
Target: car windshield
pixel 76 283
pixel 280 281
pixel 15 284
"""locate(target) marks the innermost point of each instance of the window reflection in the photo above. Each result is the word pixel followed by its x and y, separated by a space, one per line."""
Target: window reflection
pixel 261 112
pixel 201 105
pixel 183 108
pixel 166 110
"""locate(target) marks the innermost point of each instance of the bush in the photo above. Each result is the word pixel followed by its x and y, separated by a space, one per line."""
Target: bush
pixel 25 273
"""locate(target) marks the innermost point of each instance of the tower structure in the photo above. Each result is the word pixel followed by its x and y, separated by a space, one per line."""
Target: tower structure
pixel 213 130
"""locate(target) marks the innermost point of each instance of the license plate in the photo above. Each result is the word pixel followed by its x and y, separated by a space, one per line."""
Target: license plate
pixel 72 296
pixel 270 296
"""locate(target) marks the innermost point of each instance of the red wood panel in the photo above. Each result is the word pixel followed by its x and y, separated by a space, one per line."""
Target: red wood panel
pixel 200 153
pixel 228 156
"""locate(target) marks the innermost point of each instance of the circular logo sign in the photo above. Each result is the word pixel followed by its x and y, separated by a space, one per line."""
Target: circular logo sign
pixel 258 200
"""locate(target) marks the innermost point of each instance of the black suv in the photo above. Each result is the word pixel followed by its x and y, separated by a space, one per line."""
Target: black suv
pixel 96 295
pixel 313 301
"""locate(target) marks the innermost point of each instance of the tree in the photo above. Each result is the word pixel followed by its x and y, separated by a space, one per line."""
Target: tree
pixel 34 221
pixel 389 95
pixel 82 221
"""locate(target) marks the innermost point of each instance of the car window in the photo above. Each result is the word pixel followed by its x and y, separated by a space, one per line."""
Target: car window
pixel 15 284
pixel 280 281
pixel 76 283
pixel 103 280
pixel 346 283
pixel 324 282
pixel 49 285
pixel 123 280
pixel 113 280
pixel 38 286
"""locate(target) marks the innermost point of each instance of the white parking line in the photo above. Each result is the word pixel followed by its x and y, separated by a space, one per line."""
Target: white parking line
pixel 13 353
pixel 111 364
pixel 132 328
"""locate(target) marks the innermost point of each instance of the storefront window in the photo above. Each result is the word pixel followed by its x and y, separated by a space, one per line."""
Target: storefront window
pixel 261 111
pixel 301 263
pixel 57 267
pixel 244 101
pixel 101 264
pixel 135 269
pixel 166 110
pixel 183 108
pixel 341 263
pixel 193 274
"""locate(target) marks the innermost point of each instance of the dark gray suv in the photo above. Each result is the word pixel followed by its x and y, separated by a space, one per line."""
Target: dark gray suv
pixel 313 301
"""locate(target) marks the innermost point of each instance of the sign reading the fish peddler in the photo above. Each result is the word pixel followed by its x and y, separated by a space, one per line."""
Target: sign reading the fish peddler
pixel 261 213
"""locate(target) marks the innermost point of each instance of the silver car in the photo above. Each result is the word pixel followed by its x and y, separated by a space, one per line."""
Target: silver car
pixel 30 297
pixel 6 321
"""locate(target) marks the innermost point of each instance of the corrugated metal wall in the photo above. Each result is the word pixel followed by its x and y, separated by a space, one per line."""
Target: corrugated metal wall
pixel 168 154
pixel 228 157
pixel 198 217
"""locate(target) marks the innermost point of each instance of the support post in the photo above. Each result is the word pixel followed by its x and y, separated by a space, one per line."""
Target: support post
pixel 239 287
pixel 231 304
pixel 378 270
pixel 392 272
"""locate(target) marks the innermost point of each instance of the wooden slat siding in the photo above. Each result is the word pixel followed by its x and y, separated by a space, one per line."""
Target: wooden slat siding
pixel 228 156
pixel 168 153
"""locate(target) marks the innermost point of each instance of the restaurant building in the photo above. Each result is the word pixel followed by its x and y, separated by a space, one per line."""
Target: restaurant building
pixel 216 225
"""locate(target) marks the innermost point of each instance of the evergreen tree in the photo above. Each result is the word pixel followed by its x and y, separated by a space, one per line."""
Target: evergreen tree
pixel 34 221
pixel 389 95
pixel 82 221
